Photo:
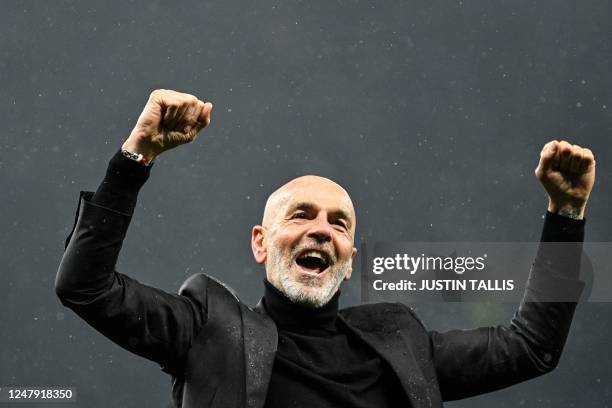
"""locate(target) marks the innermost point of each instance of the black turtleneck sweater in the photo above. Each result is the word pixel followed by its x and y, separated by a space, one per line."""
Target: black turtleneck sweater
pixel 321 363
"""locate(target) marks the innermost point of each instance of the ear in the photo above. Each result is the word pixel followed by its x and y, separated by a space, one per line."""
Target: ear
pixel 350 270
pixel 258 244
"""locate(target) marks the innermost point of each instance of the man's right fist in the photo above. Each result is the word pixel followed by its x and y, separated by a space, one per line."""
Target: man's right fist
pixel 169 119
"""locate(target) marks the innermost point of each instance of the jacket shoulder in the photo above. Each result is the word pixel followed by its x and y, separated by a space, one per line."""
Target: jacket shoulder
pixel 196 287
pixel 373 316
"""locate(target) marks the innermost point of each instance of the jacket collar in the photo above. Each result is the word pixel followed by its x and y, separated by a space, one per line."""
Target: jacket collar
pixel 260 344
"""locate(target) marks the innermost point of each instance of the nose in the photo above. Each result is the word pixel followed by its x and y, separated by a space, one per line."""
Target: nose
pixel 320 230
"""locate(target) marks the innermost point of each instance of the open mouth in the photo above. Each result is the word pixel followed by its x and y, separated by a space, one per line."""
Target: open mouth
pixel 313 261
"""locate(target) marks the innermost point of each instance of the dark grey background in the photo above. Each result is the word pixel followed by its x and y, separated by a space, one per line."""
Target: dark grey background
pixel 431 115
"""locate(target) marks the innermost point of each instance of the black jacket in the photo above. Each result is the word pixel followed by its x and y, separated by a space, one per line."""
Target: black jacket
pixel 220 352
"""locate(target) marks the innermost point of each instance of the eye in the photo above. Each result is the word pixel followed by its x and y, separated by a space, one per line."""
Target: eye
pixel 300 215
pixel 341 223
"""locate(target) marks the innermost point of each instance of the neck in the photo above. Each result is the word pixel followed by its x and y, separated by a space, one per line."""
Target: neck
pixel 295 317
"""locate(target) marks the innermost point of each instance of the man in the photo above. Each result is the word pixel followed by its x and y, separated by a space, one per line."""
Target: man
pixel 295 349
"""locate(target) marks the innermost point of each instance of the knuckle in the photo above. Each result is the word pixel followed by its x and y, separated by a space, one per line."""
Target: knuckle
pixel 187 103
pixel 189 98
pixel 156 93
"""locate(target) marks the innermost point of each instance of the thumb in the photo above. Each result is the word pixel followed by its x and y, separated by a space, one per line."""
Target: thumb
pixel 548 158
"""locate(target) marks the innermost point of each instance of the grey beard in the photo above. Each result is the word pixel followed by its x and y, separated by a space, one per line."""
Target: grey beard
pixel 295 290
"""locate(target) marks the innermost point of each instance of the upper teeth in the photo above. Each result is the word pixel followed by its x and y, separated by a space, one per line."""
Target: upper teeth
pixel 313 254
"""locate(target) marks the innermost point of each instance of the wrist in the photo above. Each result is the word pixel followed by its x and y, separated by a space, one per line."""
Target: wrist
pixel 573 211
pixel 125 177
pixel 136 148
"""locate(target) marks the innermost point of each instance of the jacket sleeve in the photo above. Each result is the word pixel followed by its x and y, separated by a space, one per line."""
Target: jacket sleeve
pixel 472 362
pixel 144 320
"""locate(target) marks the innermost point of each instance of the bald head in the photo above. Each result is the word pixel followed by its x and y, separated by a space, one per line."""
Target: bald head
pixel 308 215
pixel 308 189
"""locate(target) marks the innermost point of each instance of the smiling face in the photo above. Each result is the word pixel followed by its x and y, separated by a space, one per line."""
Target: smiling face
pixel 306 239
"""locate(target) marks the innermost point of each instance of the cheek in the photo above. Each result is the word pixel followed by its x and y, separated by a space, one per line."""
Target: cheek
pixel 345 248
pixel 281 245
pixel 286 240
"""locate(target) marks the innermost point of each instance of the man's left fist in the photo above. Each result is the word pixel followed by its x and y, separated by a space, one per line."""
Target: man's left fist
pixel 567 173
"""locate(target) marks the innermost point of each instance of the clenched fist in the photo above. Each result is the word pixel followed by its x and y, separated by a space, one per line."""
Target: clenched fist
pixel 567 173
pixel 168 119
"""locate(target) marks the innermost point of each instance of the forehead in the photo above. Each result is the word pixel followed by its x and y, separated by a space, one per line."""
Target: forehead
pixel 322 196
pixel 316 192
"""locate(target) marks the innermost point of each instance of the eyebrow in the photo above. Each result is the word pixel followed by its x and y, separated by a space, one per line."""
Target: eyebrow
pixel 306 206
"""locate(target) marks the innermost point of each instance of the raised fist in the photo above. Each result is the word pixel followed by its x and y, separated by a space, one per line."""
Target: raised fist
pixel 567 173
pixel 168 119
